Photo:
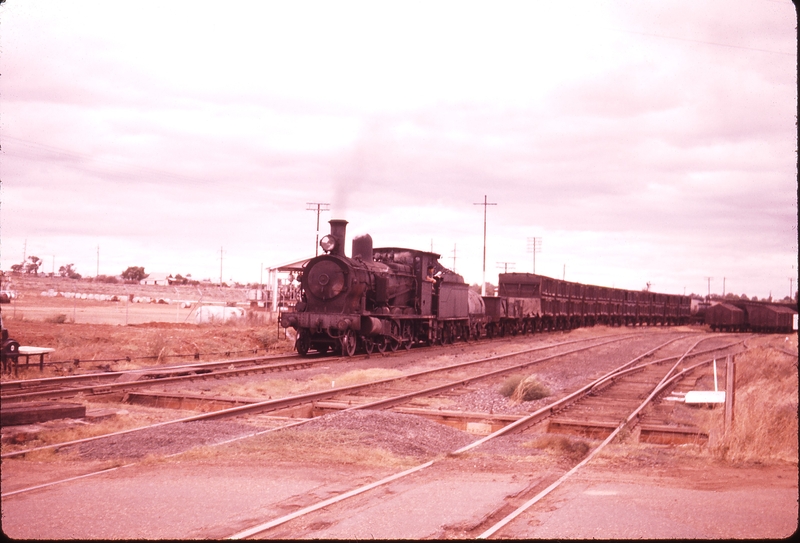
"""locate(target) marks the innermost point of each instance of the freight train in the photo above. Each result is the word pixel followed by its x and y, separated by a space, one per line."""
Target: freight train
pixel 749 316
pixel 392 297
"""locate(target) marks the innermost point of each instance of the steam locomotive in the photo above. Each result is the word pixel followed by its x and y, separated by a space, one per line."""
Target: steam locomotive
pixel 387 298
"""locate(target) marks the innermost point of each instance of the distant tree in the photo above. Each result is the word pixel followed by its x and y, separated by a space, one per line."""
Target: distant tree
pixel 68 271
pixel 490 288
pixel 106 279
pixel 180 280
pixel 32 265
pixel 134 274
pixel 17 268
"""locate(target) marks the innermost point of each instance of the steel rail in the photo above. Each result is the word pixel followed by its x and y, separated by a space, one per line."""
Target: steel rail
pixel 47 381
pixel 107 388
pixel 290 401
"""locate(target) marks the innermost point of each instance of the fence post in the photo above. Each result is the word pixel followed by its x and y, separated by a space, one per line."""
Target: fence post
pixel 730 379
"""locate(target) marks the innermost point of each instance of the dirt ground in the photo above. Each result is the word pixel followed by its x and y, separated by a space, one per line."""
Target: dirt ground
pixel 632 491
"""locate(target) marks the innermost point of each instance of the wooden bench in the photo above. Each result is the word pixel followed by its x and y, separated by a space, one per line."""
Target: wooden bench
pixel 27 351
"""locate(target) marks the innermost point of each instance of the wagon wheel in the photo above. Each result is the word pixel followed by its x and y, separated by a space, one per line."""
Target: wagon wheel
pixel 447 334
pixel 369 345
pixel 303 342
pixel 348 342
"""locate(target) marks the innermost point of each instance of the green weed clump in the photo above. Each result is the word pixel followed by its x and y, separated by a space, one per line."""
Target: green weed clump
pixel 523 389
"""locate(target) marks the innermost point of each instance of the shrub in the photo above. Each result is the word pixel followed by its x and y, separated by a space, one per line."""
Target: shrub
pixel 61 318
pixel 510 385
pixel 572 448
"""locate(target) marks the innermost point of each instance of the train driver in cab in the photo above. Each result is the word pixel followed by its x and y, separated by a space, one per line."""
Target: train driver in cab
pixel 430 278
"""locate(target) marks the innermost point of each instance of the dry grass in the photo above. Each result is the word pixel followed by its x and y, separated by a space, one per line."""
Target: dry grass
pixel 95 345
pixel 278 388
pixel 62 431
pixel 561 445
pixel 523 389
pixel 326 446
pixel 765 410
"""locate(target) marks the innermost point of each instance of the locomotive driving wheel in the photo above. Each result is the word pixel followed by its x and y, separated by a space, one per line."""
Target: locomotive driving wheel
pixel 383 344
pixel 369 345
pixel 348 341
pixel 395 340
pixel 408 337
pixel 303 342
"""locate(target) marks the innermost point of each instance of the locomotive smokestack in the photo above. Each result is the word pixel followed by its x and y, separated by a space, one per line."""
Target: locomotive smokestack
pixel 338 231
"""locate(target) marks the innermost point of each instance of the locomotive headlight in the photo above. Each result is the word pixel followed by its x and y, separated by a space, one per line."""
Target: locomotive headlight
pixel 328 243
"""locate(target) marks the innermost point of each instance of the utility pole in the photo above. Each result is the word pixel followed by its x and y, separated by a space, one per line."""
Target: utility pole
pixel 534 246
pixel 564 275
pixel 98 261
pixel 454 259
pixel 791 279
pixel 220 266
pixel 319 208
pixel 485 204
pixel 708 297
pixel 723 287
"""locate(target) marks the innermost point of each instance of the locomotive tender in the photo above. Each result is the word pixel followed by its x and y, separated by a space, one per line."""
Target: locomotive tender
pixel 384 298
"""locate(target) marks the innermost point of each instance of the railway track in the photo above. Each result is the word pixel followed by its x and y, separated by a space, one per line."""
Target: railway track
pixel 395 390
pixel 367 400
pixel 122 381
pixel 651 379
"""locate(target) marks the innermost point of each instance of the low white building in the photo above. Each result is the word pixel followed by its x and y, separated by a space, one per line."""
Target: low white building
pixel 156 278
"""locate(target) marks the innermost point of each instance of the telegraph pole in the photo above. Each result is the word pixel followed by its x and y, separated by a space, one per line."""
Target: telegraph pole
pixel 505 265
pixel 709 288
pixel 485 204
pixel 534 246
pixel 454 261
pixel 319 208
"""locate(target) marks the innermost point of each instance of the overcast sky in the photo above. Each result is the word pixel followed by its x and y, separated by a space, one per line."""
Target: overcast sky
pixel 642 141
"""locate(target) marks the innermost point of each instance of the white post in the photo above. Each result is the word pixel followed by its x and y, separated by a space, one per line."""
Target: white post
pixel 715 375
